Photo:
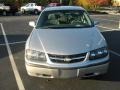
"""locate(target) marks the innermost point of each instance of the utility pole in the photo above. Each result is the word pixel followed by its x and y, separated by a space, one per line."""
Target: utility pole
pixel 70 2
pixel 17 3
pixel 60 1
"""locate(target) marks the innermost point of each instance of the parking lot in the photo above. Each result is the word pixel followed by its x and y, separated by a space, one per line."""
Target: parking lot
pixel 14 31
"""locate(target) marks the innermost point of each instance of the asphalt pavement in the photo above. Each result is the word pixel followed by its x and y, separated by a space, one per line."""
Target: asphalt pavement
pixel 17 30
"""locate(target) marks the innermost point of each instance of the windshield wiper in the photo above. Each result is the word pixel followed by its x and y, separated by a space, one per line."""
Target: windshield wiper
pixel 51 27
pixel 62 27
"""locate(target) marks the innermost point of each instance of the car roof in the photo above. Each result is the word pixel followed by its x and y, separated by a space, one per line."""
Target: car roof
pixel 64 8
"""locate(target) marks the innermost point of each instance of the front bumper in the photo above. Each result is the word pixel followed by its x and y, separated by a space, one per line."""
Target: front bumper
pixel 86 71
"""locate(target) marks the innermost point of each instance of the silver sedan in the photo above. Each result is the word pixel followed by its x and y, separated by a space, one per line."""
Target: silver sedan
pixel 65 43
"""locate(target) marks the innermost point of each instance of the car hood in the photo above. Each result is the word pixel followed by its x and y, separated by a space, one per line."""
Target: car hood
pixel 66 41
pixel 22 7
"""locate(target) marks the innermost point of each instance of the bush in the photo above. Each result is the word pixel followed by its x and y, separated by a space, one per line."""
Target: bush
pixel 92 4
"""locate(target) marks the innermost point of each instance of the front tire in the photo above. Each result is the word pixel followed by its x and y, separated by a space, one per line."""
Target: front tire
pixel 23 11
pixel 4 13
pixel 36 12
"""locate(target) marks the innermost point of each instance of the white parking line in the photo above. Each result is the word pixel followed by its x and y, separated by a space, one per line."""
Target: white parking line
pixel 108 29
pixel 14 67
pixel 107 20
pixel 3 44
pixel 115 53
pixel 98 15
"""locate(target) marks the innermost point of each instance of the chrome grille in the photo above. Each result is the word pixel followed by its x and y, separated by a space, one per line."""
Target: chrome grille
pixel 67 58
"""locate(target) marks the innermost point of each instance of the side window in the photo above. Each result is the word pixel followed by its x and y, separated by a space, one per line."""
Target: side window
pixel 31 5
pixel 35 4
pixel 27 5
pixel 83 19
pixel 87 19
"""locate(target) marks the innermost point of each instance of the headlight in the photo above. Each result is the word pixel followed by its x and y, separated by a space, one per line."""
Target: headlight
pixel 34 55
pixel 98 53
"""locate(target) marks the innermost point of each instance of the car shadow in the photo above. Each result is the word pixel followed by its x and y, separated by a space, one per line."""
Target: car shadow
pixel 16 38
pixel 16 42
pixel 2 39
pixel 112 38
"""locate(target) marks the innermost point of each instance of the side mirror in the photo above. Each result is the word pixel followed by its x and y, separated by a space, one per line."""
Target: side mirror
pixel 32 23
pixel 96 22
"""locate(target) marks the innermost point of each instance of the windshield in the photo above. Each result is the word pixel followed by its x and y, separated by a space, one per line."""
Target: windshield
pixel 64 19
pixel 1 5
